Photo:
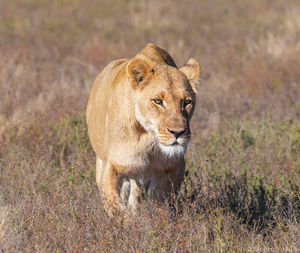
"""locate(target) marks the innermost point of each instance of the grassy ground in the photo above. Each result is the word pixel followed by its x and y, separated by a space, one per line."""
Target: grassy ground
pixel 241 190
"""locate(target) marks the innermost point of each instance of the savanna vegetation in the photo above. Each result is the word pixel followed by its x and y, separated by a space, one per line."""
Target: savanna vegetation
pixel 241 189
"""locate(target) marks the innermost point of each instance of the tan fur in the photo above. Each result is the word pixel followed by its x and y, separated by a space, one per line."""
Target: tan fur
pixel 140 142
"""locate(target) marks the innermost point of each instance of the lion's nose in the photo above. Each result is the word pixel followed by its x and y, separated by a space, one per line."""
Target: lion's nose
pixel 176 131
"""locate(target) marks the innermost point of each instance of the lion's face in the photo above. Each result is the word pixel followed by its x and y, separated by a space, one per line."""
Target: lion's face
pixel 164 105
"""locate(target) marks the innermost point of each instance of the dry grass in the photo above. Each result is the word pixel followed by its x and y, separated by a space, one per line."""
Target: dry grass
pixel 241 191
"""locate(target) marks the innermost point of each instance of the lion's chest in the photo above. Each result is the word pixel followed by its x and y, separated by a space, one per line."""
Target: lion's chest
pixel 142 158
pixel 155 162
pixel 158 169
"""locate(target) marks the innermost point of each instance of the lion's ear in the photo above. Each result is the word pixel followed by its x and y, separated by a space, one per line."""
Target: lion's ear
pixel 192 72
pixel 138 72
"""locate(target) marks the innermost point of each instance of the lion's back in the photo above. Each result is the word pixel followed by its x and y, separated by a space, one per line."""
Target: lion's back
pixel 99 102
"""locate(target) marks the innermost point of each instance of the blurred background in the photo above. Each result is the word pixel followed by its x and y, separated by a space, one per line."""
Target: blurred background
pixel 51 51
pixel 247 121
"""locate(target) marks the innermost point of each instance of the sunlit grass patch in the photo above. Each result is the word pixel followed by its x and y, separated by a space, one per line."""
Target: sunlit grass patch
pixel 229 187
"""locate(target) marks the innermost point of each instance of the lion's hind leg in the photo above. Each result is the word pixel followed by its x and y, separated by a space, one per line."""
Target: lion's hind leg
pixel 125 189
pixel 99 171
pixel 135 195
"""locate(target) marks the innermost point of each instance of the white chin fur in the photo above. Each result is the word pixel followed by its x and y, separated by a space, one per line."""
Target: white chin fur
pixel 172 151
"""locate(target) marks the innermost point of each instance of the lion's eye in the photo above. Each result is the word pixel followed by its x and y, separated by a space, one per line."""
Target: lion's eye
pixel 157 101
pixel 187 102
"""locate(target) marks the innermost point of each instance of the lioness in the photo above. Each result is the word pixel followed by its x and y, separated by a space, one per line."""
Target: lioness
pixel 138 117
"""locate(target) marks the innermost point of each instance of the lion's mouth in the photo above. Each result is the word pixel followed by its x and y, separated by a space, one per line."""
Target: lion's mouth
pixel 172 142
pixel 176 143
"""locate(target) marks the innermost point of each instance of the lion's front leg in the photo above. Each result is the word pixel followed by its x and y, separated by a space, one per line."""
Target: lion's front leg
pixel 108 178
pixel 167 183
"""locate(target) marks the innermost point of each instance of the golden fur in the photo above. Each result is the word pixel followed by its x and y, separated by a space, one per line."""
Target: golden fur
pixel 138 117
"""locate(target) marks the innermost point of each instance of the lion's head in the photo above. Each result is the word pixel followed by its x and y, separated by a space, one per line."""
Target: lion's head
pixel 164 98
